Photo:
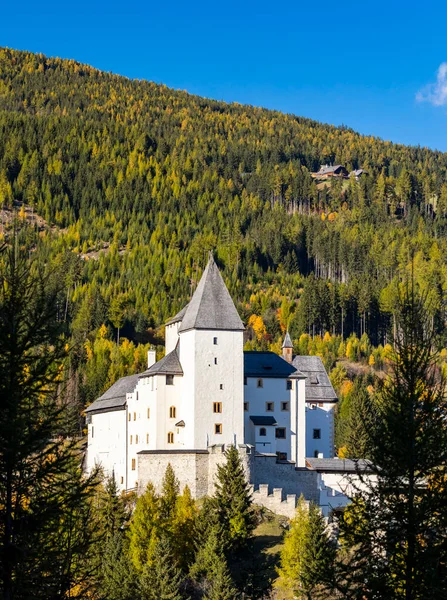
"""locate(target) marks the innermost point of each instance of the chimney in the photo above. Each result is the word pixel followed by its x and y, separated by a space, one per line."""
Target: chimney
pixel 287 349
pixel 151 358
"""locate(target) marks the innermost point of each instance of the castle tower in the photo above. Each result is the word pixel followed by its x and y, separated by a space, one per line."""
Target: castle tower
pixel 287 349
pixel 211 354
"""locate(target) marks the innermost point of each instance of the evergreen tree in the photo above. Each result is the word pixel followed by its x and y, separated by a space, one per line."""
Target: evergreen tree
pixel 113 513
pixel 233 501
pixel 210 569
pixel 119 579
pixel 170 493
pixel 308 555
pixel 395 528
pixel 45 501
pixel 162 579
pixel 183 529
pixel 355 418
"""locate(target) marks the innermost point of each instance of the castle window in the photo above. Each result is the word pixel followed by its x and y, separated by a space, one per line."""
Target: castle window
pixel 317 434
pixel 217 407
pixel 215 360
pixel 122 480
pixel 218 428
pixel 130 416
pixel 221 386
pixel 280 433
pixel 169 379
pixel 147 438
pixel 136 439
pixel 284 406
pixel 215 341
pixel 93 431
pixel 263 431
pixel 136 395
pixel 269 406
pixel 315 453
pixel 289 384
pixel 260 383
pixel 131 438
pixel 170 438
pixel 172 412
pixel 133 464
pixel 135 416
pixel 246 406
pixel 148 413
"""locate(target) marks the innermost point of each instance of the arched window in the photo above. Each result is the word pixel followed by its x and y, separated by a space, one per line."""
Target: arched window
pixel 172 412
pixel 263 431
pixel 170 438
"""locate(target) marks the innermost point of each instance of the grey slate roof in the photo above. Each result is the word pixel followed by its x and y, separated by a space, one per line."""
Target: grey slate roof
pixel 269 364
pixel 337 465
pixel 287 343
pixel 325 169
pixel 168 365
pixel 115 397
pixel 263 420
pixel 211 306
pixel 178 317
pixel 318 386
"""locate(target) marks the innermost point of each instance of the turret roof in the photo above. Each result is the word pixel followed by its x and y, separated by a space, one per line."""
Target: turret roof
pixel 287 343
pixel 211 306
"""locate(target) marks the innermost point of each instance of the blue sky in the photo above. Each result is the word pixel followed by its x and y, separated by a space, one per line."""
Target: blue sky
pixel 372 66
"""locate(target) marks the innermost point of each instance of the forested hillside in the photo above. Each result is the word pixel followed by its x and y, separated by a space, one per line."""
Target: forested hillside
pixel 136 183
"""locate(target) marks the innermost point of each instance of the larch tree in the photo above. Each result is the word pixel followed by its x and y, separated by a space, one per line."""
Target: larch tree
pixel 308 555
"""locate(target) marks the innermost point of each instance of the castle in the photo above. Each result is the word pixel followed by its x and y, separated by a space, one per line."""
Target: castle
pixel 207 393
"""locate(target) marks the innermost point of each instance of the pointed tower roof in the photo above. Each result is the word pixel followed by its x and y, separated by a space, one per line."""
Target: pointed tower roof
pixel 287 343
pixel 211 306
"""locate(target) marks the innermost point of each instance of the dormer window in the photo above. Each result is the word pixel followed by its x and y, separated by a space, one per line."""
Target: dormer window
pixel 314 380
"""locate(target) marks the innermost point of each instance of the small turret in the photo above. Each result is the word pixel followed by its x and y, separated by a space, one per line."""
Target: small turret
pixel 287 349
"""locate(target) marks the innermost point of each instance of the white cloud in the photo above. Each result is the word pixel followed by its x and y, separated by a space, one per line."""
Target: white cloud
pixel 435 93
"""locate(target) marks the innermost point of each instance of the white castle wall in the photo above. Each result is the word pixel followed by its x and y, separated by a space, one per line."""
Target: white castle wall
pixel 212 373
pixel 106 444
pixel 320 417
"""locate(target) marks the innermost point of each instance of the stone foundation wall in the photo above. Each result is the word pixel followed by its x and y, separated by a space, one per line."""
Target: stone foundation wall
pixel 198 469
pixel 285 476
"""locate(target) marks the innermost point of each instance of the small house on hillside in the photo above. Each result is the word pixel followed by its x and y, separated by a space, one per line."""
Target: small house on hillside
pixel 357 173
pixel 327 171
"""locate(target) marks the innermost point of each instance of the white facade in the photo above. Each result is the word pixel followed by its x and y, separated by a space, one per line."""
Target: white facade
pixel 206 391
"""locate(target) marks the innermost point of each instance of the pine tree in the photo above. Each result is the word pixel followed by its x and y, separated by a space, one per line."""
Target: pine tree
pixel 354 419
pixel 162 579
pixel 395 528
pixel 112 509
pixel 233 501
pixel 45 501
pixel 210 569
pixel 118 576
pixel 170 492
